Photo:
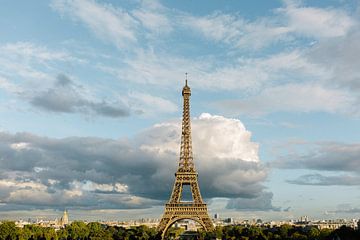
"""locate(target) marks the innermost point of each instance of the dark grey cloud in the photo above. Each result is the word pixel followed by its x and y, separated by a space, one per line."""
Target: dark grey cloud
pixel 287 209
pixel 321 180
pixel 86 202
pixel 328 156
pixel 97 173
pixel 30 162
pixel 263 202
pixel 67 97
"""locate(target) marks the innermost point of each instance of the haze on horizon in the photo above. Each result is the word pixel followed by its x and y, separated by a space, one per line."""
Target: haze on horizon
pixel 90 110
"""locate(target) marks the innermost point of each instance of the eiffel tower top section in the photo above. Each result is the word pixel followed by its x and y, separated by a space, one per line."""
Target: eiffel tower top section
pixel 186 163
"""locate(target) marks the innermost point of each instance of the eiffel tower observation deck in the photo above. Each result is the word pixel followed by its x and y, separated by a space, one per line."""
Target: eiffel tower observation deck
pixel 186 174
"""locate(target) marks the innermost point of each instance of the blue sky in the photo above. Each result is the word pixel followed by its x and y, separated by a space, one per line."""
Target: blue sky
pixel 91 104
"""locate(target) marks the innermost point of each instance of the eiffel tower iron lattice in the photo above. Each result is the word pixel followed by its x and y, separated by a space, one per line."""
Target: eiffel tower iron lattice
pixel 176 209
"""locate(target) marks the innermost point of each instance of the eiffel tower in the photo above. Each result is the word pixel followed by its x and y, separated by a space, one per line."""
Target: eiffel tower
pixel 176 209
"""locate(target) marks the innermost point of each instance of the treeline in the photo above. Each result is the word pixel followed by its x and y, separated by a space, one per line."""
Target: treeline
pixel 284 232
pixel 78 230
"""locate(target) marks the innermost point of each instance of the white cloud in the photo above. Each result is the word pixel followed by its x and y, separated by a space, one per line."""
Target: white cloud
pixel 148 67
pixel 25 65
pixel 254 74
pixel 108 23
pixel 154 21
pixel 11 68
pixel 214 136
pixel 294 98
pixel 317 22
pixel 149 105
pixel 340 58
pixel 26 51
pixel 22 185
pixel 284 26
pixel 237 32
pixel 97 187
pixel 246 74
pixel 223 138
pixel 8 86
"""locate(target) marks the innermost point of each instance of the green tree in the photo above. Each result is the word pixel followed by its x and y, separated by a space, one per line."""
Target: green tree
pixel 36 231
pixel 313 233
pixel 298 236
pixel 284 231
pixel 345 232
pixel 8 230
pixel 49 233
pixel 25 233
pixel 77 230
pixel 98 232
pixel 174 232
pixel 324 233
pixel 218 232
pixel 62 234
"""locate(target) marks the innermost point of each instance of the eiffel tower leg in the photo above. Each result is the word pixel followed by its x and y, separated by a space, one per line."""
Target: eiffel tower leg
pixel 208 225
pixel 173 215
pixel 163 226
pixel 166 224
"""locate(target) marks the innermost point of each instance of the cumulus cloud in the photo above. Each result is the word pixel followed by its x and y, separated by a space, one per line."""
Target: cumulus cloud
pixel 104 173
pixel 221 147
pixel 67 97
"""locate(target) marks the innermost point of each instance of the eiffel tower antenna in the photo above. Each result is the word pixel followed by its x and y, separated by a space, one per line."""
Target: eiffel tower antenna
pixel 186 174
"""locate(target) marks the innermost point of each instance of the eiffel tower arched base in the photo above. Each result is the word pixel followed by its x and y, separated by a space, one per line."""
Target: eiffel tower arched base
pixel 179 211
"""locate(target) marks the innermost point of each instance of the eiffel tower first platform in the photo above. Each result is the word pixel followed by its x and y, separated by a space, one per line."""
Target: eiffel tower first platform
pixel 176 209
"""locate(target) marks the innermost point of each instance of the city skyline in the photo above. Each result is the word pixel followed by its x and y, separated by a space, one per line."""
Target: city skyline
pixel 90 111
